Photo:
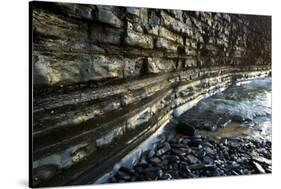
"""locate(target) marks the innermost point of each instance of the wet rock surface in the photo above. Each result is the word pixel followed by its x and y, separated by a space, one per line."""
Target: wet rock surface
pixel 188 157
pixel 106 77
pixel 205 142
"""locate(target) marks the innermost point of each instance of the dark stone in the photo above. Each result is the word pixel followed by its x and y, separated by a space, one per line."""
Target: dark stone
pixel 172 158
pixel 258 167
pixel 192 159
pixel 268 169
pixel 262 160
pixel 209 151
pixel 234 165
pixel 185 128
pixel 208 160
pixel 209 125
pixel 127 170
pixel 123 175
pixel 186 141
pixel 234 172
pixel 192 175
pixel 139 169
pixel 152 172
pixel 143 163
pixel 223 122
pixel 178 152
pixel 151 154
pixel 187 150
pixel 208 144
pixel 164 149
pixel 113 180
pixel 180 140
pixel 196 136
pixel 195 142
pixel 166 176
pixel 162 138
pixel 216 173
pixel 173 141
pixel 156 161
pixel 238 118
pixel 196 166
pixel 175 145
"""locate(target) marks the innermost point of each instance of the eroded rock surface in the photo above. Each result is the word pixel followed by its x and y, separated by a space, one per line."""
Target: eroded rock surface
pixel 105 78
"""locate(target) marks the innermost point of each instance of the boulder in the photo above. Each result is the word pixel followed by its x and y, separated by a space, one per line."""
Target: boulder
pixel 185 128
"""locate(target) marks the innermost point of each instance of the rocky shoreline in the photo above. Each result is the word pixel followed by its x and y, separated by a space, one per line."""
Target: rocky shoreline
pixel 227 134
pixel 178 156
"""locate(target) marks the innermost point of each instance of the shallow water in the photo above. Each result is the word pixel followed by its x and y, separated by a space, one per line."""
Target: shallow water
pixel 233 129
pixel 250 101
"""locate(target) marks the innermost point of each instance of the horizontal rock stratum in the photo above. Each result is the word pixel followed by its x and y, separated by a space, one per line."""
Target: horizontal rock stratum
pixel 105 78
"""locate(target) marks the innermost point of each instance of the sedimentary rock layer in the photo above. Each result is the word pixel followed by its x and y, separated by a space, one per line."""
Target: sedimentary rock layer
pixel 105 78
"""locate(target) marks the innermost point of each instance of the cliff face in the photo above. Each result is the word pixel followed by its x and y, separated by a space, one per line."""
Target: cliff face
pixel 105 78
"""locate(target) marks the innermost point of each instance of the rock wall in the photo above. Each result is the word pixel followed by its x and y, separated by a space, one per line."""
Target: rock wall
pixel 105 78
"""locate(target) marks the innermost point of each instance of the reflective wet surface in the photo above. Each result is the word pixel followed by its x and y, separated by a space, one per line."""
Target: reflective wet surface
pixel 226 134
pixel 246 109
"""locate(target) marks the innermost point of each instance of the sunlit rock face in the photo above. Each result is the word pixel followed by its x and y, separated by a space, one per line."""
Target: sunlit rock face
pixel 105 78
